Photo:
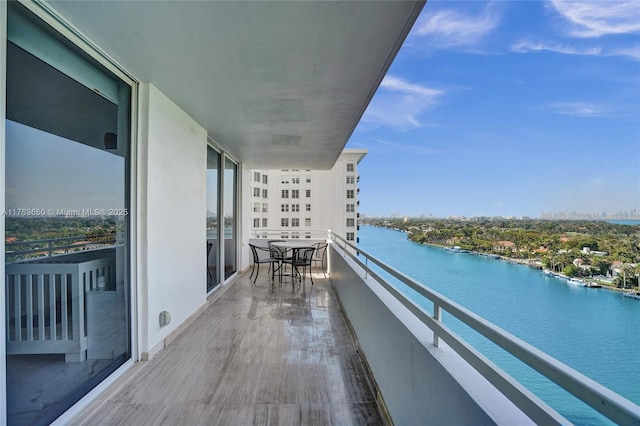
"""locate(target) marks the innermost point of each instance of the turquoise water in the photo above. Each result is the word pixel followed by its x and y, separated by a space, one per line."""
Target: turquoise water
pixel 625 222
pixel 595 331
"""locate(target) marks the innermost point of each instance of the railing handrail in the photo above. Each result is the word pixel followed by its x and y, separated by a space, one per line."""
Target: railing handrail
pixel 610 404
pixel 50 240
pixel 49 248
pixel 302 232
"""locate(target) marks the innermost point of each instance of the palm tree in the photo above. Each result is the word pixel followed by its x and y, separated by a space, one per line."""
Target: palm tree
pixel 628 275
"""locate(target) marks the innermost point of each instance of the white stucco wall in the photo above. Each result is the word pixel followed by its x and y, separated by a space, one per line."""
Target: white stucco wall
pixel 244 208
pixel 420 384
pixel 174 237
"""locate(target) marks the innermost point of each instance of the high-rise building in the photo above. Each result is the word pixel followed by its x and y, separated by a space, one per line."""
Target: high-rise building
pixel 295 203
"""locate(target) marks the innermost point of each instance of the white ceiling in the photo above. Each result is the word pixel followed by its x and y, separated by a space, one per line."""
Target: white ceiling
pixel 279 84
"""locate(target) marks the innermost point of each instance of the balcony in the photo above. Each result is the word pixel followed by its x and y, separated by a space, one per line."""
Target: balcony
pixel 259 354
pixel 292 354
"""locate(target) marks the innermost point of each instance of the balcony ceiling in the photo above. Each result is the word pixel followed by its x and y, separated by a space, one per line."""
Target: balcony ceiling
pixel 278 84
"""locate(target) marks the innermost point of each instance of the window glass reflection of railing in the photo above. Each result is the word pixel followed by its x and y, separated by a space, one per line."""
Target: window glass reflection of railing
pixel 34 249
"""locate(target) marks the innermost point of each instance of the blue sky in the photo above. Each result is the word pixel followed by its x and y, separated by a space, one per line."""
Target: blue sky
pixel 507 108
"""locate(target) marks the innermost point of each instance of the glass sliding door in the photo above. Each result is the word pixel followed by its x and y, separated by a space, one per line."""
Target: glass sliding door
pixel 213 170
pixel 66 222
pixel 230 224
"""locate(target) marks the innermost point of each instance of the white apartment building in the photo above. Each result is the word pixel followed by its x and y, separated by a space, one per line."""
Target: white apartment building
pixel 296 203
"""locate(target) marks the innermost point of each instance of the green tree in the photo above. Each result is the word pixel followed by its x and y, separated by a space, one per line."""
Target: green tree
pixel 570 271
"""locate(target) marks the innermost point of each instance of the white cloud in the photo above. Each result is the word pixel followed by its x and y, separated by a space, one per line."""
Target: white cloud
pixel 631 52
pixel 598 18
pixel 525 46
pixel 399 103
pixel 452 28
pixel 579 109
pixel 528 46
pixel 411 149
pixel 399 85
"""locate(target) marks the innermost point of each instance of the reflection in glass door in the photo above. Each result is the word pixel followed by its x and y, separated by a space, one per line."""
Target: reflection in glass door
pixel 213 168
pixel 66 224
pixel 230 228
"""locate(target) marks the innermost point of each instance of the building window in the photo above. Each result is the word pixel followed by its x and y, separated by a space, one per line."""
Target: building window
pixel 295 193
pixel 256 192
pixel 308 179
pixel 350 193
pixel 284 208
pixel 307 235
pixel 284 180
pixel 264 222
pixel 349 167
pixel 295 235
pixel 284 235
pixel 284 222
pixel 307 221
pixel 307 207
pixel 308 193
pixel 256 176
pixel 256 223
pixel 350 208
pixel 350 236
pixel 285 193
pixel 351 180
pixel 264 179
pixel 350 222
pixel 256 207
pixel 265 208
pixel 295 180
pixel 295 222
pixel 295 207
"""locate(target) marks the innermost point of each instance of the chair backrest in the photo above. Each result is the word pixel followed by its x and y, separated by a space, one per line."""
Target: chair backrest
pixel 254 252
pixel 305 255
pixel 321 249
pixel 277 252
pixel 275 241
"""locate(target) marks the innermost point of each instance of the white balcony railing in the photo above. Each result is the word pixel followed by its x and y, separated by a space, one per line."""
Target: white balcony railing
pixel 289 233
pixel 35 249
pixel 602 399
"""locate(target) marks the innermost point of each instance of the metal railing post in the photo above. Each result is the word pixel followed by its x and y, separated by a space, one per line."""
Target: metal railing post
pixel 366 272
pixel 437 314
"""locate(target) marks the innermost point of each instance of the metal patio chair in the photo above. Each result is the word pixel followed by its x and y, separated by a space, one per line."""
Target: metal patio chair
pixel 319 255
pixel 259 257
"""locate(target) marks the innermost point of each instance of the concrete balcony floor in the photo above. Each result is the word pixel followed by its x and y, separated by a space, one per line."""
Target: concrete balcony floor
pixel 259 355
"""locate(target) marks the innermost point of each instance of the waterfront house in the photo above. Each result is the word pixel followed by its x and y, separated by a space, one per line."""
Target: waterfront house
pixel 587 250
pixel 152 115
pixel 541 250
pixel 502 246
pixel 616 268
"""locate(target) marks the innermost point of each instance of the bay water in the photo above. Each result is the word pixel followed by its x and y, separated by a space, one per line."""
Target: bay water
pixel 594 331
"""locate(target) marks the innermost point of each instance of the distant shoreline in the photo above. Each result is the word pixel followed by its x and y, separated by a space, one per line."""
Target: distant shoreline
pixel 521 263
